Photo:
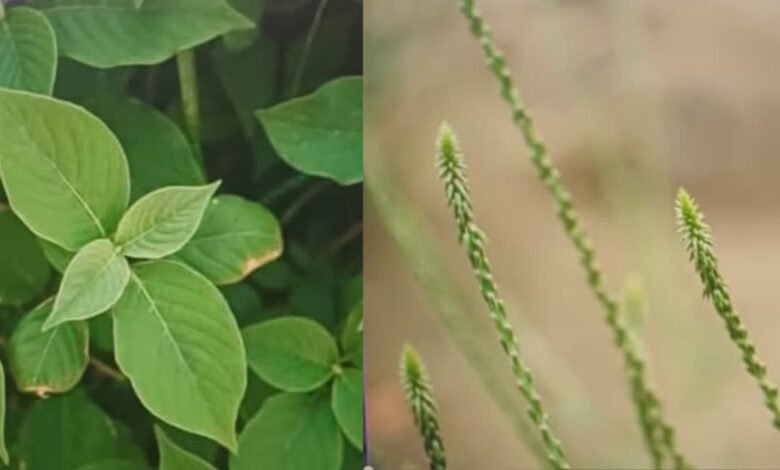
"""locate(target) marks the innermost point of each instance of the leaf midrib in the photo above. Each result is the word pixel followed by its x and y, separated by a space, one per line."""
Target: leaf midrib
pixel 167 332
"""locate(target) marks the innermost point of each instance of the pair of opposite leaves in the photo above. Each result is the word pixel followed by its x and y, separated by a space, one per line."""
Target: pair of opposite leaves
pixel 66 178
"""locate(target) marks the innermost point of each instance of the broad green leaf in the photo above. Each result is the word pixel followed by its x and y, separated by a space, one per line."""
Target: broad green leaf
pixel 3 449
pixel 321 134
pixel 28 51
pixel 158 152
pixel 352 335
pixel 92 284
pixel 109 34
pixel 45 362
pixel 347 403
pixel 68 432
pixel 64 172
pixel 162 222
pixel 85 85
pixel 58 257
pixel 23 269
pixel 173 457
pixel 291 353
pixel 176 340
pixel 291 432
pixel 202 447
pixel 114 464
pixel 235 238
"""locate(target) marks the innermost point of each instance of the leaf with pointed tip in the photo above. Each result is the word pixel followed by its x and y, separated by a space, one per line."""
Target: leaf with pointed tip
pixel 28 51
pixel 64 172
pixel 321 134
pixel 173 457
pixel 44 362
pixel 70 431
pixel 347 403
pixel 162 222
pixel 158 152
pixel 176 340
pixel 23 269
pixel 291 432
pixel 235 238
pixel 109 34
pixel 92 284
pixel 291 353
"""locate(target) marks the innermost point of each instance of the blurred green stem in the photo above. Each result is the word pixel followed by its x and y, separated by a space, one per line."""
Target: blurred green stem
pixel 301 67
pixel 188 85
pixel 409 234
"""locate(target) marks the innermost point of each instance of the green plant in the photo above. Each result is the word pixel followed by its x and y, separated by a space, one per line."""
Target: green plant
pixel 452 172
pixel 698 242
pixel 128 285
pixel 419 395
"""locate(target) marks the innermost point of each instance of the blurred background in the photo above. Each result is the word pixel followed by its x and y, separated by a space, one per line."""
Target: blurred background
pixel 634 99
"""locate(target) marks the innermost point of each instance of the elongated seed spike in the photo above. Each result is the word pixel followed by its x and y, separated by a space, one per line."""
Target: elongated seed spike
pixel 419 395
pixel 658 434
pixel 697 237
pixel 452 170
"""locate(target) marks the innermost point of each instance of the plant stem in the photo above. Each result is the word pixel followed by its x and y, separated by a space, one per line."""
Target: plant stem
pixel 658 433
pixel 104 369
pixel 452 172
pixel 419 395
pixel 407 229
pixel 301 67
pixel 301 202
pixel 698 243
pixel 188 86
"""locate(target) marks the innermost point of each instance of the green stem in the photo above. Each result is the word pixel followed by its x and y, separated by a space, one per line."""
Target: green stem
pixel 658 433
pixel 301 68
pixel 698 242
pixel 419 395
pixel 188 85
pixel 452 172
pixel 408 230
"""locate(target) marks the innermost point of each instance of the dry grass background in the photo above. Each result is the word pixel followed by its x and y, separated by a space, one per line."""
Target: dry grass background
pixel 633 98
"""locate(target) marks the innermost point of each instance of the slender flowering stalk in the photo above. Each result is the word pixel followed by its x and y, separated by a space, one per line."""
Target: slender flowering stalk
pixel 658 434
pixel 452 172
pixel 698 242
pixel 417 387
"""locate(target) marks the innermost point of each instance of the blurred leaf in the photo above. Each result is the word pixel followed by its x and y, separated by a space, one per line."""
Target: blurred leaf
pixel 293 354
pixel 3 448
pixel 235 238
pixel 158 152
pixel 101 332
pixel 173 457
pixel 244 301
pixel 204 448
pixel 314 298
pixel 291 421
pixel 57 256
pixel 68 432
pixel 24 272
pixel 28 52
pixel 44 362
pixel 114 465
pixel 248 77
pixel 327 53
pixel 253 10
pixel 86 85
pixel 277 275
pixel 110 35
pixel 321 134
